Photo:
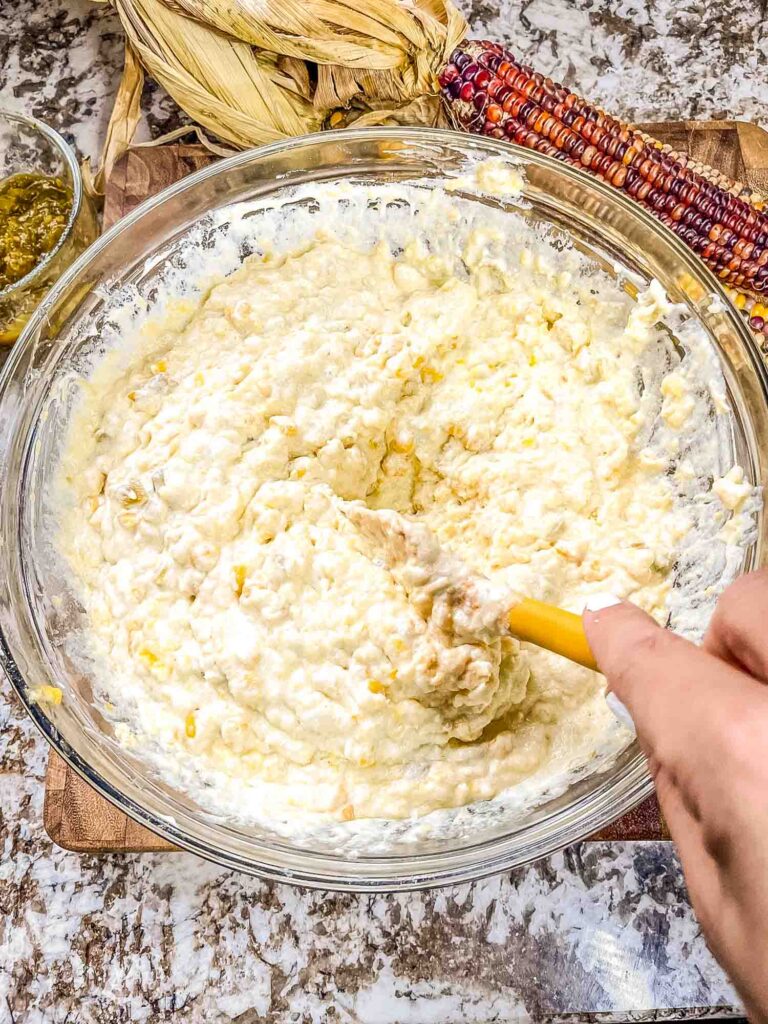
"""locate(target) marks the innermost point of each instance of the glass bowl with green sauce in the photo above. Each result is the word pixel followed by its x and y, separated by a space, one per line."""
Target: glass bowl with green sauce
pixel 46 220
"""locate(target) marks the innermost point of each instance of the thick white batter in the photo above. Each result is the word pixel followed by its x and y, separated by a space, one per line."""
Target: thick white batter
pixel 257 628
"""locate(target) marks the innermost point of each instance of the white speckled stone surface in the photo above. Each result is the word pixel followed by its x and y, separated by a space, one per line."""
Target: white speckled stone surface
pixel 601 930
pixel 646 60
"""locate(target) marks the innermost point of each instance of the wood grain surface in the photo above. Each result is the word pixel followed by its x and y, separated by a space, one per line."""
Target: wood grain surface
pixel 75 816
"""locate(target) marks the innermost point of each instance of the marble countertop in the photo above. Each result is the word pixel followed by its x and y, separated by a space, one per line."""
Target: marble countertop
pixel 603 929
pixel 645 60
pixel 599 930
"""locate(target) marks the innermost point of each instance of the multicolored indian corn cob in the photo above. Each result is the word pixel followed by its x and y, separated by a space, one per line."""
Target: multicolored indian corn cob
pixel 490 93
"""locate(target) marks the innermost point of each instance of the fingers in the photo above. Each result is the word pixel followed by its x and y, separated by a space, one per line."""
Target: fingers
pixel 703 720
pixel 701 869
pixel 738 632
pixel 689 707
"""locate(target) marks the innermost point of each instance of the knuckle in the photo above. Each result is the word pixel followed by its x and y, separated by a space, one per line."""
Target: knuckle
pixel 737 626
pixel 637 649
pixel 646 642
pixel 741 749
pixel 744 733
pixel 725 621
pixel 718 841
pixel 743 591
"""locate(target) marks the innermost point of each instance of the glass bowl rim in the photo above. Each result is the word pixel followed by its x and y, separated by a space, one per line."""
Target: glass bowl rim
pixel 319 869
pixel 66 151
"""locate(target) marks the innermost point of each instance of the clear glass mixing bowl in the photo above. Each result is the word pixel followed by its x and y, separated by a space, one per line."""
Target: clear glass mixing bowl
pixel 36 611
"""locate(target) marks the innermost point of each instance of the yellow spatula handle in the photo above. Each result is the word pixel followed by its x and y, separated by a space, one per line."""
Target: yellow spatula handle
pixel 551 628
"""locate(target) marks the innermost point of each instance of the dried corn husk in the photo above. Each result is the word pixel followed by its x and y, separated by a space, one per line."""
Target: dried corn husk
pixel 237 92
pixel 126 115
pixel 251 73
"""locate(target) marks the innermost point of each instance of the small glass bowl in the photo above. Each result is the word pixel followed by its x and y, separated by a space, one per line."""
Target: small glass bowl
pixel 27 146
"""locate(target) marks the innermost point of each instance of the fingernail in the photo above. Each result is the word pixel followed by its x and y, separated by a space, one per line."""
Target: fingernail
pixel 619 711
pixel 596 602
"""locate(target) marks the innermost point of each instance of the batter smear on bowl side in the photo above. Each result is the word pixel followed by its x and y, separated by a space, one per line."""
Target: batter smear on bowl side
pixel 250 624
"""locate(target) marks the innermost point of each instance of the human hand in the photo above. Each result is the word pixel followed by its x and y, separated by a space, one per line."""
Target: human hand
pixel 701 715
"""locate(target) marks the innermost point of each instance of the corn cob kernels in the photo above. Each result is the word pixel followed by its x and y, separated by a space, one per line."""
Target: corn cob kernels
pixel 488 92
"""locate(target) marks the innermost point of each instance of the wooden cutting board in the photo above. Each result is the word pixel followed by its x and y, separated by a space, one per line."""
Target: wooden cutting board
pixel 76 817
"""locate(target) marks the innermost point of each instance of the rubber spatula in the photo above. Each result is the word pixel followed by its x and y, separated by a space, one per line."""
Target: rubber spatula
pixel 477 609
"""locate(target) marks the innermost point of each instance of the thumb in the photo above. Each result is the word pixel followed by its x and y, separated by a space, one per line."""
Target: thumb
pixel 677 694
pixel 623 639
